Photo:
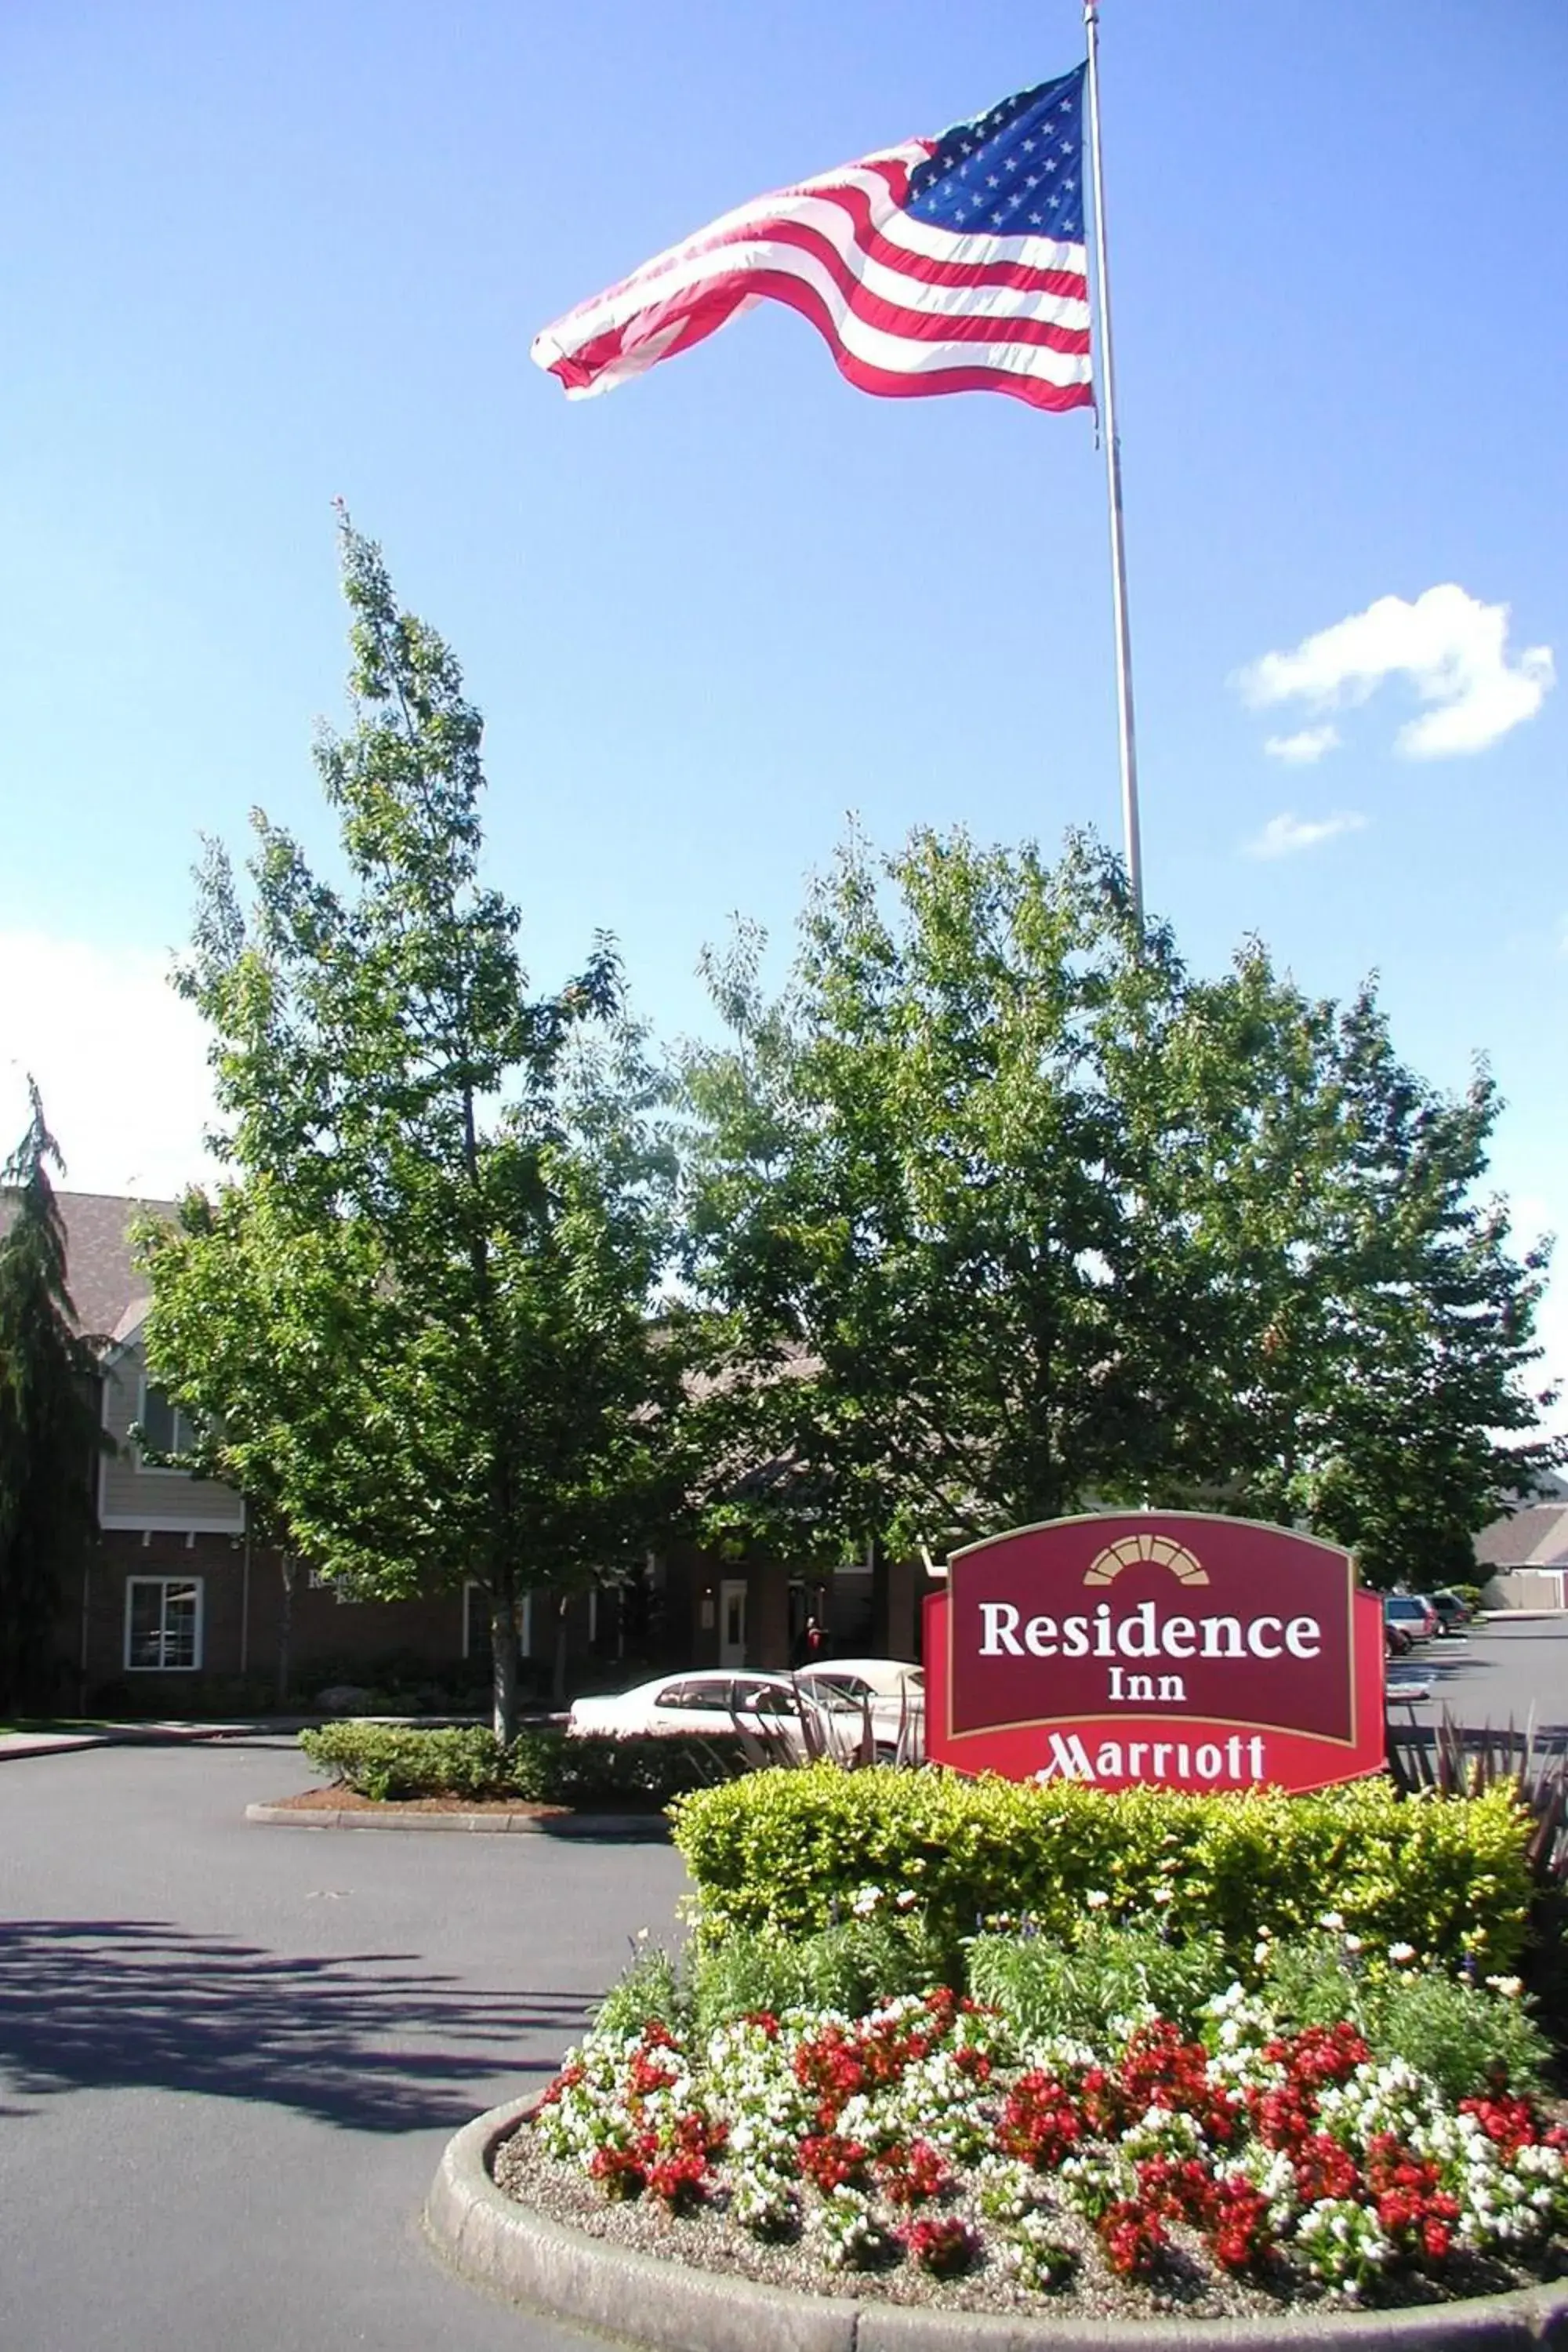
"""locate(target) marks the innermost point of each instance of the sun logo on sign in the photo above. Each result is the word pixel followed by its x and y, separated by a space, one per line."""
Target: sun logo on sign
pixel 1134 1551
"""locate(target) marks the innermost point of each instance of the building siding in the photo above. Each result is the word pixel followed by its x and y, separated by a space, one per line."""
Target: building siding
pixel 132 1497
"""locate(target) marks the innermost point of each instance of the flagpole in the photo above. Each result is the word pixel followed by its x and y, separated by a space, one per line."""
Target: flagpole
pixel 1106 390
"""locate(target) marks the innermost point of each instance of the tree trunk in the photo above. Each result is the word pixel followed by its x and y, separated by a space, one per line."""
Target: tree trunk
pixel 503 1660
pixel 882 1599
pixel 558 1662
pixel 288 1569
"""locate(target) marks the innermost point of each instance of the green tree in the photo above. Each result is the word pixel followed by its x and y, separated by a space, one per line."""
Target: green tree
pixel 1001 1213
pixel 50 1434
pixel 417 1325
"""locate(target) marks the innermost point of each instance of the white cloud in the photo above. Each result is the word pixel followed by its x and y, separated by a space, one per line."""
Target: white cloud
pixel 1305 749
pixel 1287 835
pixel 119 1058
pixel 1453 650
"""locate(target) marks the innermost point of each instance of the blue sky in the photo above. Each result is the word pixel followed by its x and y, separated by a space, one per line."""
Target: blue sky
pixel 254 257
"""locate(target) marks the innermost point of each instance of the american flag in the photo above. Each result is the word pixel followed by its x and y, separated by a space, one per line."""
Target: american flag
pixel 945 265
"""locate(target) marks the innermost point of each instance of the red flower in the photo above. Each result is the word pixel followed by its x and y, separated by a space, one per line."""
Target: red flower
pixel 829 2161
pixel 1412 2209
pixel 1282 2118
pixel 1323 2168
pixel 1508 2120
pixel 679 2179
pixel 568 2080
pixel 1134 2239
pixel 1182 2187
pixel 909 2174
pixel 1319 2055
pixel 618 2172
pixel 1162 2070
pixel 1240 2236
pixel 1039 2121
pixel 943 2247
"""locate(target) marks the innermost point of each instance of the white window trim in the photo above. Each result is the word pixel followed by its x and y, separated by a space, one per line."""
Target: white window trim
pixel 163 1469
pixel 195 1666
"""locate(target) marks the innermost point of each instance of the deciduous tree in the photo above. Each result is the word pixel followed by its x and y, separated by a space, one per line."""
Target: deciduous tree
pixel 1001 1213
pixel 416 1323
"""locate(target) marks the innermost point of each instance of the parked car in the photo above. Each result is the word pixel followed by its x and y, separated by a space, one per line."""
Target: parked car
pixel 893 1689
pixel 695 1704
pixel 1414 1611
pixel 1398 1641
pixel 1452 1613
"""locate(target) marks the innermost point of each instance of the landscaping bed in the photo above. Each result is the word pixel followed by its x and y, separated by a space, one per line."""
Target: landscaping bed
pixel 1027 2049
pixel 935 2147
pixel 339 1799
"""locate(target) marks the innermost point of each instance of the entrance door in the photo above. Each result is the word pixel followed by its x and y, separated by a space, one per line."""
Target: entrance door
pixel 733 1621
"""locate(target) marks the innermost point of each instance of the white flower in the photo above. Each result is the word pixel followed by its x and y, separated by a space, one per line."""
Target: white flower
pixel 906 1898
pixel 1333 1920
pixel 1401 1954
pixel 1510 1987
pixel 866 1901
pixel 1353 1943
pixel 1097 1898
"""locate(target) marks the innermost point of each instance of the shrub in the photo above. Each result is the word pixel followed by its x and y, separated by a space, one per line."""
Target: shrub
pixel 1044 1989
pixel 543 1767
pixel 1459 2033
pixel 652 1988
pixel 850 1968
pixel 379 1759
pixel 789 1850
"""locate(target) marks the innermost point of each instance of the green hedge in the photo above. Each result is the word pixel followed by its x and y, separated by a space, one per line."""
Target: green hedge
pixel 790 1851
pixel 541 1768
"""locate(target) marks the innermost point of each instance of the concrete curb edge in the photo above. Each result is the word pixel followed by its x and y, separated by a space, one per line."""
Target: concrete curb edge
pixel 584 1827
pixel 526 2258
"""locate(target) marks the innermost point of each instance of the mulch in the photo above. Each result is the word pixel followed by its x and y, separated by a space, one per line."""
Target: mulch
pixel 349 1801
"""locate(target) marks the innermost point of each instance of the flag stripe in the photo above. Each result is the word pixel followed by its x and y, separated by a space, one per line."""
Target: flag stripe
pixel 909 305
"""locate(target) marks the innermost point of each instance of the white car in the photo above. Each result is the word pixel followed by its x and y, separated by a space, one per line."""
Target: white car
pixel 695 1703
pixel 895 1689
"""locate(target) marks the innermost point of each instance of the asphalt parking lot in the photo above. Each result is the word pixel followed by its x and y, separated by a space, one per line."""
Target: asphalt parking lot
pixel 230 2056
pixel 1502 1671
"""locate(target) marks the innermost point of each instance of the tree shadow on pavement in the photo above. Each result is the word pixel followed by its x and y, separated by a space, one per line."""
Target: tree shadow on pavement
pixel 356 2039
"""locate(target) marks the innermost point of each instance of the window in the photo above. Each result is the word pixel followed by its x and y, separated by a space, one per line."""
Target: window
pixel 698 1696
pixel 163 1623
pixel 164 1428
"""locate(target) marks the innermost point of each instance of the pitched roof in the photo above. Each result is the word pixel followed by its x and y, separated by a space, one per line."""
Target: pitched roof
pixel 108 1293
pixel 1536 1537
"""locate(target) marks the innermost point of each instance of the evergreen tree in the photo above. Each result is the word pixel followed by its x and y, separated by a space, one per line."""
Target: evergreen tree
pixel 49 1429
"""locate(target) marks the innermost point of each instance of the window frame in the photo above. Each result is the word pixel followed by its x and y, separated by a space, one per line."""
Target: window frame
pixel 199 1644
pixel 145 1388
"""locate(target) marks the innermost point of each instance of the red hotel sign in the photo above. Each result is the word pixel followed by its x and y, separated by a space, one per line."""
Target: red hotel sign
pixel 1170 1647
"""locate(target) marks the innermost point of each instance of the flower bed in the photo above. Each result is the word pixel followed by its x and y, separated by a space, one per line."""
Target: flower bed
pixel 931 2141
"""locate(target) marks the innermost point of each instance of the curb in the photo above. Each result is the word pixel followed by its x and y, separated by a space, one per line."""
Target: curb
pixel 650 1827
pixel 528 2259
pixel 15 1747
